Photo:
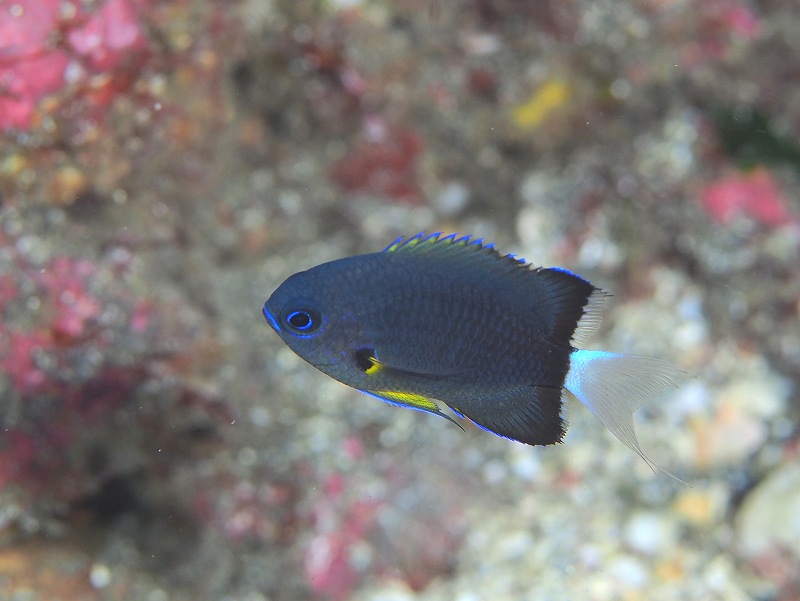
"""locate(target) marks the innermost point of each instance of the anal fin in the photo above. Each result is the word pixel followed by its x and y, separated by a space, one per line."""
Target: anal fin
pixel 528 414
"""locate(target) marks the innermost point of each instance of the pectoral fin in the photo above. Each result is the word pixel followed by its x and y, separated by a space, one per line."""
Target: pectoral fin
pixel 367 359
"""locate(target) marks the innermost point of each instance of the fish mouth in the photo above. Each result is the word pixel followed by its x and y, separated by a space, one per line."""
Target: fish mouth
pixel 271 319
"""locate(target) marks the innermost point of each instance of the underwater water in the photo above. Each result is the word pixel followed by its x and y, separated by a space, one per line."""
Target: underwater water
pixel 165 165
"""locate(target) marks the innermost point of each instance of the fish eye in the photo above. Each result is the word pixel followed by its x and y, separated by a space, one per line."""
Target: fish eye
pixel 303 321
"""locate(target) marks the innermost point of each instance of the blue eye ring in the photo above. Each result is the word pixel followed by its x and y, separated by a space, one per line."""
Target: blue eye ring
pixel 302 320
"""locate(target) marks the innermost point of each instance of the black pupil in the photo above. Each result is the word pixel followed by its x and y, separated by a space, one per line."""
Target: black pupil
pixel 300 320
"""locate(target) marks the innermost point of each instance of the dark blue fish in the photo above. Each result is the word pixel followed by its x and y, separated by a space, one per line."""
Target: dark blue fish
pixel 452 319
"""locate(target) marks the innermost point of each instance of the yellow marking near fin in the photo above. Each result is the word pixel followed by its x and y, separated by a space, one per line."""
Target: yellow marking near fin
pixel 375 368
pixel 408 398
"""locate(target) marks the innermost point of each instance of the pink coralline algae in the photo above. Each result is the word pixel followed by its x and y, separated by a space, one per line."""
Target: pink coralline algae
pixel 68 311
pixel 719 24
pixel 383 163
pixel 47 45
pixel 60 322
pixel 18 362
pixel 360 532
pixel 754 195
pixel 73 308
pixel 341 526
pixel 89 366
pixel 109 36
pixel 28 70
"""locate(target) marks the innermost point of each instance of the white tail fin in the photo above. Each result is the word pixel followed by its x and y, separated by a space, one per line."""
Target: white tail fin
pixel 614 387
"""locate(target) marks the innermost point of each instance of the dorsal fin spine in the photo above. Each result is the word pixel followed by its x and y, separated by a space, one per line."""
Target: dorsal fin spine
pixel 393 245
pixel 452 240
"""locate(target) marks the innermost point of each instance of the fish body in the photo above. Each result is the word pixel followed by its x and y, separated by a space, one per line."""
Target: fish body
pixel 451 319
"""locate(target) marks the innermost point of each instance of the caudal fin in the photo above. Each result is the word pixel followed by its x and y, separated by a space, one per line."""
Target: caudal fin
pixel 614 387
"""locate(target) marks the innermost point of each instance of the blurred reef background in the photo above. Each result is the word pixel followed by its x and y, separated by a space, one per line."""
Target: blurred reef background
pixel 164 165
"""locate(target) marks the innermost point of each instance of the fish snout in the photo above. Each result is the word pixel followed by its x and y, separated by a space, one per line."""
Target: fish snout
pixel 271 318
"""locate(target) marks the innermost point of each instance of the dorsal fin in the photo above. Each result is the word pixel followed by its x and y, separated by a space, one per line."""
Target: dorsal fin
pixel 569 306
pixel 452 244
pixel 574 304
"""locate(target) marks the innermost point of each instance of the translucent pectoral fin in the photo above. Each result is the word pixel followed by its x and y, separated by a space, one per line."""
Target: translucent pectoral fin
pixel 410 401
